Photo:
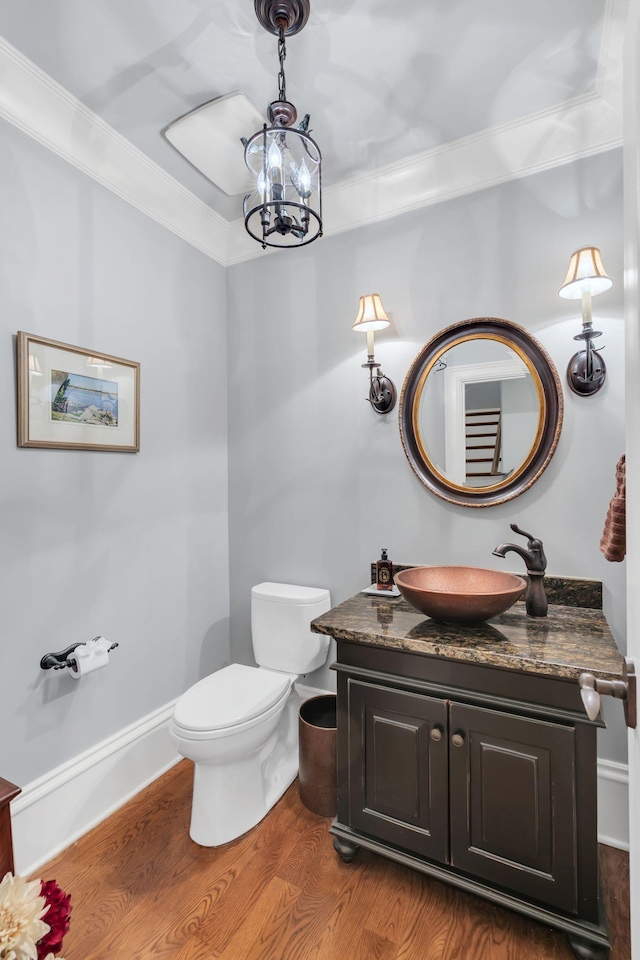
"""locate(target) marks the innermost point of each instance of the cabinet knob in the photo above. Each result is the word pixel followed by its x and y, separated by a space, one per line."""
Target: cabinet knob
pixel 436 733
pixel 457 739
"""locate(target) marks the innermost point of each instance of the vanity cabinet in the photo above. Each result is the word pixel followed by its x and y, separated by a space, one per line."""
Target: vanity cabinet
pixel 486 791
pixel 479 776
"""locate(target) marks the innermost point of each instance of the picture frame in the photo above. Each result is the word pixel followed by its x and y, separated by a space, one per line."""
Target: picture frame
pixel 70 398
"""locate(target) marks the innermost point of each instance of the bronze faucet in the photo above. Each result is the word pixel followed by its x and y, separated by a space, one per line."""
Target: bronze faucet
pixel 535 597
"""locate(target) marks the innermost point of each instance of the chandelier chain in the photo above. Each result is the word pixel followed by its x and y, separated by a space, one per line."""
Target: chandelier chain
pixel 282 54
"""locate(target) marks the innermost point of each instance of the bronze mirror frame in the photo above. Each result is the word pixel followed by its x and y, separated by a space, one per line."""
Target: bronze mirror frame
pixel 549 387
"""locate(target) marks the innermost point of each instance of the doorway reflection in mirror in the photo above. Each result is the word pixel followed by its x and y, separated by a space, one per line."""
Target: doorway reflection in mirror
pixel 479 416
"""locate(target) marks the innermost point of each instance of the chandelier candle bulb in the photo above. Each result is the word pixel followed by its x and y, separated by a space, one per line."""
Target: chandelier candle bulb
pixel 275 157
pixel 304 180
pixel 370 343
pixel 264 186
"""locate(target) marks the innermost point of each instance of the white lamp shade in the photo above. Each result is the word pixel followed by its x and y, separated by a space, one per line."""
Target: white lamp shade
pixel 585 272
pixel 34 366
pixel 97 362
pixel 371 315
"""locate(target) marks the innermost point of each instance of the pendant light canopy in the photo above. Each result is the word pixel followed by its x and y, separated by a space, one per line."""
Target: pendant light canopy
pixel 284 208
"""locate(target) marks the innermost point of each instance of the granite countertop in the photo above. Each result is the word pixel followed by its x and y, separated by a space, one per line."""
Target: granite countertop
pixel 569 641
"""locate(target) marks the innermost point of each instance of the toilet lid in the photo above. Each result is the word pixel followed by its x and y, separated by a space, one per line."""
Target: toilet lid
pixel 231 695
pixel 288 593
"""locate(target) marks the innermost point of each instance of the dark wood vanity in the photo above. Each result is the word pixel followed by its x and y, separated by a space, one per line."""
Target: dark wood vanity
pixel 466 753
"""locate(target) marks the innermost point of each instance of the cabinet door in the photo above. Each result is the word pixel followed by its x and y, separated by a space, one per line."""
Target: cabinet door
pixel 513 805
pixel 398 768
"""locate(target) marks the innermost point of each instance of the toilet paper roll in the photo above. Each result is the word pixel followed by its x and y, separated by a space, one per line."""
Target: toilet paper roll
pixel 89 657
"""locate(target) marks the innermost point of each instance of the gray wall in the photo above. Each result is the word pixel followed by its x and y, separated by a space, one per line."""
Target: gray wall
pixel 318 482
pixel 132 546
pixel 136 546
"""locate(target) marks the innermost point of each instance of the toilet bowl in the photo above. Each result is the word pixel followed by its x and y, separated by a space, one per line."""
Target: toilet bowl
pixel 240 724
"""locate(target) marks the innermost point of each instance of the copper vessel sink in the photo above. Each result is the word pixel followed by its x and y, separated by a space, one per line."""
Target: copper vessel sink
pixel 459 594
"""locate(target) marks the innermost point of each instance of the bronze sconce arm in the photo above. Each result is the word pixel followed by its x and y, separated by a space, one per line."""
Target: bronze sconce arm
pixel 382 390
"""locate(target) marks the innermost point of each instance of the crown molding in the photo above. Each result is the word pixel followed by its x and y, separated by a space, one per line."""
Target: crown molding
pixel 35 103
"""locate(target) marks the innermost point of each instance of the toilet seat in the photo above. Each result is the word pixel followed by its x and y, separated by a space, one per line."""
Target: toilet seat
pixel 228 700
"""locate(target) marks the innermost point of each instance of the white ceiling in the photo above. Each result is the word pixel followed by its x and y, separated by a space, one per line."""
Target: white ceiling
pixel 382 80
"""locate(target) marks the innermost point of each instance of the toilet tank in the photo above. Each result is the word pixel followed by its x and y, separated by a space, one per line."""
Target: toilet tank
pixel 280 618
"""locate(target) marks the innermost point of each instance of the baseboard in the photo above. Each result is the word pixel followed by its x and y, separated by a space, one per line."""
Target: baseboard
pixel 306 691
pixel 613 804
pixel 54 811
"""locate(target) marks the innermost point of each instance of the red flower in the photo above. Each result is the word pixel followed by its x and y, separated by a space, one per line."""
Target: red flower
pixel 56 916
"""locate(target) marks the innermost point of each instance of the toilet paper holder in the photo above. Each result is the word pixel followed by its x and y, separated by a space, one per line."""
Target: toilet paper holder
pixel 62 659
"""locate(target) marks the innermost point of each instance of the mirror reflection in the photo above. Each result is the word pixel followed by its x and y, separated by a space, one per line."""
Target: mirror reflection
pixel 478 412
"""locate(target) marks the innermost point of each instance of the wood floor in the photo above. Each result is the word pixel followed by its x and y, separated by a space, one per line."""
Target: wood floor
pixel 142 889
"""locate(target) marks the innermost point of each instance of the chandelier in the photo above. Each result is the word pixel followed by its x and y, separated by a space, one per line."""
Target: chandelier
pixel 284 208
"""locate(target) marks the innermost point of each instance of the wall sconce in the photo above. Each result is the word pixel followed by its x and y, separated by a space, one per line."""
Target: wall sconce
pixel 585 279
pixel 371 317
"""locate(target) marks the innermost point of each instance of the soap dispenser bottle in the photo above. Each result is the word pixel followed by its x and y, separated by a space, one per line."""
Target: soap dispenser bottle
pixel 384 572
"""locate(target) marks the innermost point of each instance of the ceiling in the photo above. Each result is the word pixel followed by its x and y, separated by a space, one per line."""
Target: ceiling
pixel 382 81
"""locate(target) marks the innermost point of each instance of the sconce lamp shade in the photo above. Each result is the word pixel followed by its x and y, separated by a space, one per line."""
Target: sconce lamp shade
pixel 371 315
pixel 98 362
pixel 34 366
pixel 585 273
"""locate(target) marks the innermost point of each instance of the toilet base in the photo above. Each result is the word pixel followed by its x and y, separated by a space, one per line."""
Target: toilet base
pixel 232 797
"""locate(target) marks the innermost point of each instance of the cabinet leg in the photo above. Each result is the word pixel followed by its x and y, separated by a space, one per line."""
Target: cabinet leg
pixel 345 849
pixel 588 951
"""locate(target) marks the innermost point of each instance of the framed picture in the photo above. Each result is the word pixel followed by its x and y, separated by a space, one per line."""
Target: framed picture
pixel 76 399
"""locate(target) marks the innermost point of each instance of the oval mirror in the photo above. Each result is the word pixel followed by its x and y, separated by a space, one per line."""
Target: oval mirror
pixel 481 412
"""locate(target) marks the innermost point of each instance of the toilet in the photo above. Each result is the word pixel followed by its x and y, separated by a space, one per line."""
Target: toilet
pixel 240 724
